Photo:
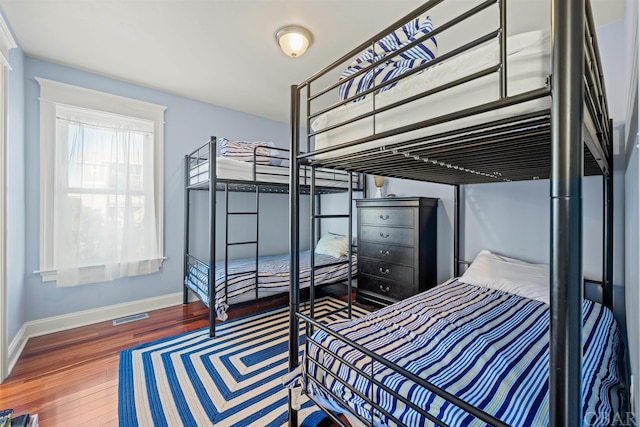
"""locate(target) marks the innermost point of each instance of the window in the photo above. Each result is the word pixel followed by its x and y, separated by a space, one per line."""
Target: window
pixel 101 185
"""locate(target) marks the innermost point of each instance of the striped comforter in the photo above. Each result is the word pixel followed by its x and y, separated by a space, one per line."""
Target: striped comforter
pixel 487 347
pixel 273 276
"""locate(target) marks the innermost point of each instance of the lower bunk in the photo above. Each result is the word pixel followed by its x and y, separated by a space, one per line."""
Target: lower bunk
pixel 472 351
pixel 239 280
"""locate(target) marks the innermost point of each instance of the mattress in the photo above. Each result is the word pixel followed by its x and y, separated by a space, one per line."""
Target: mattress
pixel 487 347
pixel 528 65
pixel 273 277
pixel 230 169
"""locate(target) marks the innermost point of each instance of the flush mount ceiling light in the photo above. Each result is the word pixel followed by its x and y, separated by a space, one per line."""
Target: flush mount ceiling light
pixel 293 40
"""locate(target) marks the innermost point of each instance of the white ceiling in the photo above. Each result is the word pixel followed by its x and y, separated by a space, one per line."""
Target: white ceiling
pixel 217 51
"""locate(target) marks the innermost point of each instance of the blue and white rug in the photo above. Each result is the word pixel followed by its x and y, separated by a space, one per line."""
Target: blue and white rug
pixel 233 379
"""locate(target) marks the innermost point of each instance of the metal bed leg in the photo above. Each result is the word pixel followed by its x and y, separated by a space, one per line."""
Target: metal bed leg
pixel 350 251
pixel 212 237
pixel 185 269
pixel 567 148
pixel 607 264
pixel 312 241
pixel 294 236
pixel 607 242
pixel 257 216
pixel 456 231
pixel 319 223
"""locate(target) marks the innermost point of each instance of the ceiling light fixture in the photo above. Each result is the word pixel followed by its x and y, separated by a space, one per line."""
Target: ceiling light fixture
pixel 293 40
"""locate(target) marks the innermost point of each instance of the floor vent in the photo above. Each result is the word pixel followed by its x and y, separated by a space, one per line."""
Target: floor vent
pixel 130 319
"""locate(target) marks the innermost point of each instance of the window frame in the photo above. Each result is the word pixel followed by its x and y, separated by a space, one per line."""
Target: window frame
pixel 7 43
pixel 53 94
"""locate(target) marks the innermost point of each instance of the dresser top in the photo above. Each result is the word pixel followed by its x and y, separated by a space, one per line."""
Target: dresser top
pixel 397 201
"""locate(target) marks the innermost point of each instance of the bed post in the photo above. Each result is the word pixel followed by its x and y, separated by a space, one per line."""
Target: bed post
pixel 319 209
pixel 456 231
pixel 212 236
pixel 607 252
pixel 294 234
pixel 350 250
pixel 503 49
pixel 312 241
pixel 185 270
pixel 567 148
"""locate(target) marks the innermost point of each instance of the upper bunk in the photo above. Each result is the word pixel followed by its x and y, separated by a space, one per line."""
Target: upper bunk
pixel 260 168
pixel 449 94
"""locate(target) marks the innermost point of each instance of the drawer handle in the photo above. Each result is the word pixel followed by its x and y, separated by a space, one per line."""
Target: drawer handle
pixel 385 290
pixel 385 271
pixel 384 253
pixel 384 236
pixel 384 217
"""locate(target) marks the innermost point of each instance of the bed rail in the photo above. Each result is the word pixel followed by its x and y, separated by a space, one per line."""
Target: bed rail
pixel 272 178
pixel 311 323
pixel 431 149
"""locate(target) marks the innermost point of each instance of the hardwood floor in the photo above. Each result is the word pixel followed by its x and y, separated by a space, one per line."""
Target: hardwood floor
pixel 70 378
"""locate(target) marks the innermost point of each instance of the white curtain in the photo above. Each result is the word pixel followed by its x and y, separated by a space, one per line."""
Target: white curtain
pixel 104 218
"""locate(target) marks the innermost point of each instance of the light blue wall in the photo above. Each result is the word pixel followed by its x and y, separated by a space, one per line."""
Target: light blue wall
pixel 188 124
pixel 513 219
pixel 446 209
pixel 16 224
pixel 273 226
pixel 509 218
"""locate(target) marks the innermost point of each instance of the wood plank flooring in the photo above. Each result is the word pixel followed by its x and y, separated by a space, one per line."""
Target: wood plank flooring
pixel 70 378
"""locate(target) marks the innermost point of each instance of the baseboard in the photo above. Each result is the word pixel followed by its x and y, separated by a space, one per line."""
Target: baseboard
pixel 16 346
pixel 49 325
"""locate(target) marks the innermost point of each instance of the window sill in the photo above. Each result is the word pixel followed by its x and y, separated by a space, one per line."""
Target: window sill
pixel 52 275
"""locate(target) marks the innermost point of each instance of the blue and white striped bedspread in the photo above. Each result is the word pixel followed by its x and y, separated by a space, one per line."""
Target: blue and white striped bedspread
pixel 487 347
pixel 273 276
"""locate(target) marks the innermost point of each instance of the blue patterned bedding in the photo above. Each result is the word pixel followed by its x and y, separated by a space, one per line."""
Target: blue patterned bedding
pixel 273 275
pixel 488 347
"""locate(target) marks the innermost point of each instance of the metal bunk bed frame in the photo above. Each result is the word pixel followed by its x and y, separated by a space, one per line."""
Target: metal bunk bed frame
pixel 208 179
pixel 554 138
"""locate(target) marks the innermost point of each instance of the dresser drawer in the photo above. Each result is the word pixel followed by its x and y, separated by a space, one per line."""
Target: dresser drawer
pixel 388 216
pixel 387 252
pixel 386 270
pixel 395 236
pixel 394 290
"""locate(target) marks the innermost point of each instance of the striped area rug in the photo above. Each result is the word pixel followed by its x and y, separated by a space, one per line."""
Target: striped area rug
pixel 231 380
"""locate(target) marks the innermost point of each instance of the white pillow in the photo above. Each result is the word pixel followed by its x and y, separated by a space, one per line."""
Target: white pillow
pixel 510 275
pixel 335 245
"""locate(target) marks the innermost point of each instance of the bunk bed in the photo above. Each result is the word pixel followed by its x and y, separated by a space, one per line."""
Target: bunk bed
pixel 256 168
pixel 492 108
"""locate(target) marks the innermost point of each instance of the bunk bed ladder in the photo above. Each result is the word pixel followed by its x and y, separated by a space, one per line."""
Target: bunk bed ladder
pixel 227 244
pixel 314 231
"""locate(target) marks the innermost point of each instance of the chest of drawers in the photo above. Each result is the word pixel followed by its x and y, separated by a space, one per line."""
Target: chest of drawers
pixel 396 248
